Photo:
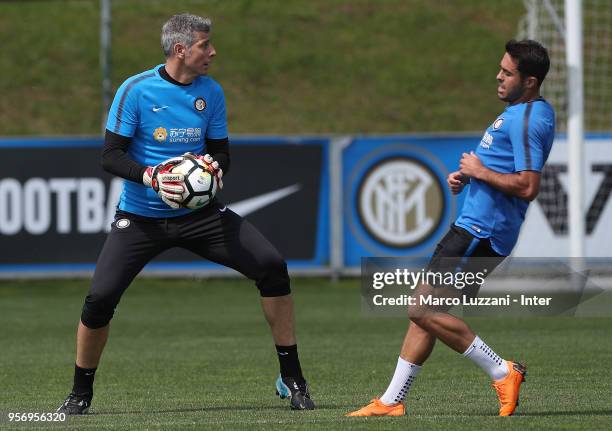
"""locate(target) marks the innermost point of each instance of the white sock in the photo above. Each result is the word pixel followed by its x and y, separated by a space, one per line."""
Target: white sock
pixel 404 375
pixel 487 359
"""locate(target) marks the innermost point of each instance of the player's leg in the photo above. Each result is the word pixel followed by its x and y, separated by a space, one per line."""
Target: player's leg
pixel 90 344
pixel 126 250
pixel 508 376
pixel 458 251
pixel 420 338
pixel 226 238
pixel 455 333
pixel 280 315
pixel 437 322
pixel 417 346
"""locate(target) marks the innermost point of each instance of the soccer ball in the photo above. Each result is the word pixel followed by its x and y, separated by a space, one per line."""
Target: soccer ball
pixel 200 185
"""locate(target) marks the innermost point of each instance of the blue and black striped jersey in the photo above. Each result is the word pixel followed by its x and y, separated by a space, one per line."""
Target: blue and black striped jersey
pixel 163 120
pixel 520 139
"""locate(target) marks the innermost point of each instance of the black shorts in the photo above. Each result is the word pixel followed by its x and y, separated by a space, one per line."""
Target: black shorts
pixel 460 251
pixel 215 233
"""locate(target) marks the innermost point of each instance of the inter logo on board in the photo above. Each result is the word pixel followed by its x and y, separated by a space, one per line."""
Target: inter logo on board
pixel 400 202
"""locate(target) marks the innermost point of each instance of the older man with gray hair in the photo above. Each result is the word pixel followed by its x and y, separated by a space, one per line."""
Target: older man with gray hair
pixel 141 145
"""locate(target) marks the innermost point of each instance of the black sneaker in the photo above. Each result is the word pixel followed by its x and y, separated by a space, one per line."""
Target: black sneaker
pixel 297 392
pixel 75 404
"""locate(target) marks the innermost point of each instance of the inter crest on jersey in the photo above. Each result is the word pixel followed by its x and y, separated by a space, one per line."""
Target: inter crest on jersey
pixel 200 104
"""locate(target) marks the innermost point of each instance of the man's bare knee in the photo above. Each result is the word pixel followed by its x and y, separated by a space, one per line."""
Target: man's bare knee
pixel 422 320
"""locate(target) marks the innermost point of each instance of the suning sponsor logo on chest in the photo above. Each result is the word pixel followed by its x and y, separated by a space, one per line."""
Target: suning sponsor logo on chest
pixel 486 141
pixel 191 134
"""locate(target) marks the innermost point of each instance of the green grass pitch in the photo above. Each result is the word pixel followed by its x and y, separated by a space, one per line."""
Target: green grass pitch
pixel 187 354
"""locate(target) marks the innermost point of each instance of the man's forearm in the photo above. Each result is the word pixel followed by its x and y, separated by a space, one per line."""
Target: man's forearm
pixel 514 184
pixel 219 150
pixel 115 159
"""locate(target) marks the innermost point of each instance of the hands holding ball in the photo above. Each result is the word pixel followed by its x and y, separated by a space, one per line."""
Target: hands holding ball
pixel 188 181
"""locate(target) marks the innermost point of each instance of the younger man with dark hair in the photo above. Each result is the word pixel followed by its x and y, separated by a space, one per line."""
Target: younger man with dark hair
pixel 502 176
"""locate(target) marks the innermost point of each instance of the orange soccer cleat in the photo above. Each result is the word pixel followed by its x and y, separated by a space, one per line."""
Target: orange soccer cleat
pixel 377 408
pixel 508 388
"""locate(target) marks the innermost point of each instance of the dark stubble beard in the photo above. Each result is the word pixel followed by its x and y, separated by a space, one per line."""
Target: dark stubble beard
pixel 515 94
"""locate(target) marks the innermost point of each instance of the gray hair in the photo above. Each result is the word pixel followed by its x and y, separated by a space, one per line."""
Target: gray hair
pixel 180 28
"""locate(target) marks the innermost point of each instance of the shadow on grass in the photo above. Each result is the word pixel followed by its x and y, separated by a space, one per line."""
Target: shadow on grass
pixel 215 409
pixel 600 412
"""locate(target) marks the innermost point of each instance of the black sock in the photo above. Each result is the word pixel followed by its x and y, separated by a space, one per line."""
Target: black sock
pixel 289 362
pixel 83 380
